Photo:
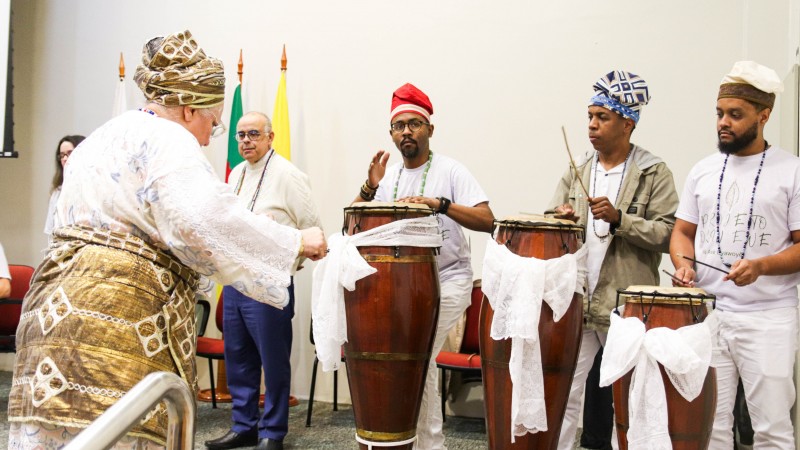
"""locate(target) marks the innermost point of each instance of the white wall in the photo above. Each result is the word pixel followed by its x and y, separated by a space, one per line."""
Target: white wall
pixel 503 76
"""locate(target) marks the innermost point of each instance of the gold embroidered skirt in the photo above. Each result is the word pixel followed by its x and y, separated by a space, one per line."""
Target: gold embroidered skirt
pixel 104 310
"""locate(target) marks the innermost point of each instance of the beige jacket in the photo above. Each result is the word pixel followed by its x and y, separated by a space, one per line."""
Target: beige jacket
pixel 648 201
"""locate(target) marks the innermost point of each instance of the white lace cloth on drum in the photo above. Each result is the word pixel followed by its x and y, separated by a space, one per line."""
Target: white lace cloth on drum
pixel 685 354
pixel 516 287
pixel 343 266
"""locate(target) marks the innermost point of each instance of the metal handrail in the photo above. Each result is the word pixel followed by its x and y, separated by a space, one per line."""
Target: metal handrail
pixel 112 425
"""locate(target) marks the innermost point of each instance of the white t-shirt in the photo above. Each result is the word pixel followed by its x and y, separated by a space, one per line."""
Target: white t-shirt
pixel 776 212
pixel 446 178
pixel 603 183
pixel 4 273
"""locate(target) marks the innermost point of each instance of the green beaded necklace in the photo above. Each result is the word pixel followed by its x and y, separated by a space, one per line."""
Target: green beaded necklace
pixel 424 178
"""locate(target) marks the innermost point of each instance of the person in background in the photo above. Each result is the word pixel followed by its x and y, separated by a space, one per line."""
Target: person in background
pixel 256 335
pixel 5 275
pixel 63 150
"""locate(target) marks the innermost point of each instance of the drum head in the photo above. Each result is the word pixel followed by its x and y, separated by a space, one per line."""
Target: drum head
pixel 537 221
pixel 664 294
pixel 388 207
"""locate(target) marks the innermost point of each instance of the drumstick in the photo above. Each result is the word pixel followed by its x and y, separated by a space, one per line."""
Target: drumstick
pixel 702 263
pixel 671 275
pixel 572 162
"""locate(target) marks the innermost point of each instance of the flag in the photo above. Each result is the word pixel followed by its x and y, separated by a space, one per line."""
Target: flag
pixel 120 102
pixel 280 121
pixel 234 157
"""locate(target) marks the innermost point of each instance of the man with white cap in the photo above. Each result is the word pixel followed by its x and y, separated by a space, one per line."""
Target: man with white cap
pixel 448 188
pixel 740 212
pixel 628 219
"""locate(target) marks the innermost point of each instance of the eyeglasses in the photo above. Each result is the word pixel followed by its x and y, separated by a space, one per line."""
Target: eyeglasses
pixel 64 155
pixel 218 127
pixel 413 125
pixel 253 135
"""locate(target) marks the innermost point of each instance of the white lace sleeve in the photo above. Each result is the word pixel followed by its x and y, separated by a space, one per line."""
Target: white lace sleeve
pixel 200 221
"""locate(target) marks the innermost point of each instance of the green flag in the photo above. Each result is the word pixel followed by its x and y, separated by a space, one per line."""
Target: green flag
pixel 234 157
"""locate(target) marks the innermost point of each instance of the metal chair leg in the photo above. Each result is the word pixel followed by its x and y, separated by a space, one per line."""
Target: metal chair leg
pixel 444 394
pixel 213 388
pixel 335 390
pixel 311 394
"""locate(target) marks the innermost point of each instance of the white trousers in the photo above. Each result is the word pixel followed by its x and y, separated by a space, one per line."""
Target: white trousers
pixel 760 348
pixel 591 342
pixel 456 296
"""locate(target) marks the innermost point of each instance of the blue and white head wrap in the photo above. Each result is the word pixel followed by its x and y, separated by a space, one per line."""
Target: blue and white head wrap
pixel 622 92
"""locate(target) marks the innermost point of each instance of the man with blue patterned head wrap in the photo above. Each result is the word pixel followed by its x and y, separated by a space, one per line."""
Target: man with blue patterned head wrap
pixel 627 217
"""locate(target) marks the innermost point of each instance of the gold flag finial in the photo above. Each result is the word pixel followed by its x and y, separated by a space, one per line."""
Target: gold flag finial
pixel 121 66
pixel 283 58
pixel 241 65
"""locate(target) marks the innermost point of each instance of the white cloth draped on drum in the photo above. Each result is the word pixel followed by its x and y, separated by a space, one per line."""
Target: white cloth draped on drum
pixel 516 287
pixel 685 354
pixel 344 266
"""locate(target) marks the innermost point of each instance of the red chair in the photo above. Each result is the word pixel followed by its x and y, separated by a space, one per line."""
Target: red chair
pixel 210 348
pixel 468 359
pixel 11 307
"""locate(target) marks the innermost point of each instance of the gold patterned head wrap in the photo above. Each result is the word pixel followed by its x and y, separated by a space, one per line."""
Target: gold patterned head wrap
pixel 175 71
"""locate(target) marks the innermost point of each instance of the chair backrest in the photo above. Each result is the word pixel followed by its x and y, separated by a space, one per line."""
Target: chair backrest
pixel 202 311
pixel 218 315
pixel 471 342
pixel 20 280
pixel 11 307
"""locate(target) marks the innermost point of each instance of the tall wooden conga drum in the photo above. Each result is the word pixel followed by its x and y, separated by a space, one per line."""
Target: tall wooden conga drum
pixel 391 323
pixel 690 423
pixel 543 238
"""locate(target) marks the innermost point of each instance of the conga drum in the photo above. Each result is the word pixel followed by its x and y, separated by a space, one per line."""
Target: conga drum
pixel 690 423
pixel 391 323
pixel 543 238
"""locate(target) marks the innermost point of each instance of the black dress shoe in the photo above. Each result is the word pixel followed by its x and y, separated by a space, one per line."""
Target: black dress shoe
pixel 234 440
pixel 269 444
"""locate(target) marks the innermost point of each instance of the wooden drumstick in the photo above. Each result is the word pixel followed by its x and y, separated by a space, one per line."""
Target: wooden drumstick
pixel 572 162
pixel 702 263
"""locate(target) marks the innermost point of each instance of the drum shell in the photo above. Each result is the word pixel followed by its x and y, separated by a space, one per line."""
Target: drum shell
pixel 559 341
pixel 690 423
pixel 391 323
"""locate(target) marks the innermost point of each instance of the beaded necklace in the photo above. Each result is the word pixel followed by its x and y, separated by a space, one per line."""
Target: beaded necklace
pixel 752 202
pixel 424 178
pixel 619 188
pixel 260 181
pixel 148 111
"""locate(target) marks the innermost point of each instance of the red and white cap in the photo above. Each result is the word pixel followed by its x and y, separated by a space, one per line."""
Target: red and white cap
pixel 408 99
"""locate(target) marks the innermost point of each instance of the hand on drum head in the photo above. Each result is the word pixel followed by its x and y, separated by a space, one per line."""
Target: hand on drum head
pixel 433 203
pixel 567 212
pixel 684 277
pixel 377 168
pixel 314 245
pixel 744 272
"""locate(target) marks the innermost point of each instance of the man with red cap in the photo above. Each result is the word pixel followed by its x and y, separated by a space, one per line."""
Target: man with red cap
pixel 448 188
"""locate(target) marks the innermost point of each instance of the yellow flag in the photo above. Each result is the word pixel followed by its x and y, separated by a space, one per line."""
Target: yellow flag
pixel 280 121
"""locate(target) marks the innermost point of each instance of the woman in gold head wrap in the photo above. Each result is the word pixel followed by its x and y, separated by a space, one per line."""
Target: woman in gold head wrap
pixel 145 222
